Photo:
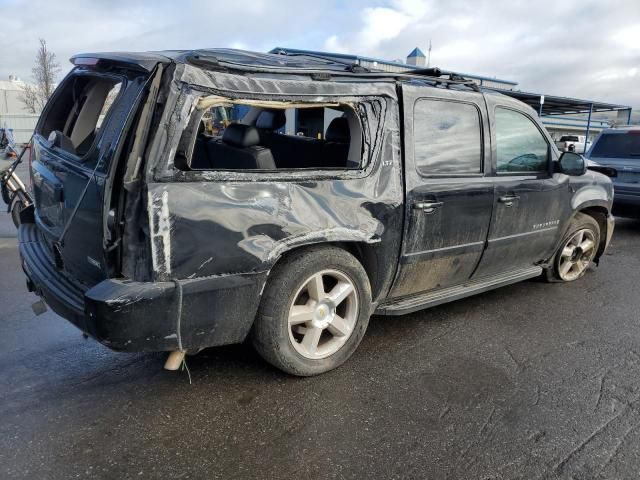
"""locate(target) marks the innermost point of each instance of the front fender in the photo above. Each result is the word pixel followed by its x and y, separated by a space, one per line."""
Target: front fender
pixel 596 199
pixel 592 194
pixel 592 190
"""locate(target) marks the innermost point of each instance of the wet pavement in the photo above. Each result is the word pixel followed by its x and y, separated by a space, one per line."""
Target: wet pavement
pixel 530 381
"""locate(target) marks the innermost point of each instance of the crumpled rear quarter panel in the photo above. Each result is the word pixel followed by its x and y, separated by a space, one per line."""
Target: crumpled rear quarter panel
pixel 217 223
pixel 212 228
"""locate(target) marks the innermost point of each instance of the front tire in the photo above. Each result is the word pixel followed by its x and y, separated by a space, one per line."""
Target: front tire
pixel 314 311
pixel 577 250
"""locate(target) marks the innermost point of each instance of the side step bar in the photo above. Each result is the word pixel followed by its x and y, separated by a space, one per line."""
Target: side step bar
pixel 414 303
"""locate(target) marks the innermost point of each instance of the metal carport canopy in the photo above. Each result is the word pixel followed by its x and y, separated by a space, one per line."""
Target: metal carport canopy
pixel 554 105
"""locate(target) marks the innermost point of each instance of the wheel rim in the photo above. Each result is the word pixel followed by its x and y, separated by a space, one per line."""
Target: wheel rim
pixel 577 254
pixel 323 314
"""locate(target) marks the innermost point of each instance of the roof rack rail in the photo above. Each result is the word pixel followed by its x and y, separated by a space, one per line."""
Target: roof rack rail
pixel 433 75
pixel 348 66
pixel 436 74
pixel 429 72
pixel 357 68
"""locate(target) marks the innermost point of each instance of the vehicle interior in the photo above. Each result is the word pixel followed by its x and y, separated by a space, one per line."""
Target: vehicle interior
pixel 78 111
pixel 250 137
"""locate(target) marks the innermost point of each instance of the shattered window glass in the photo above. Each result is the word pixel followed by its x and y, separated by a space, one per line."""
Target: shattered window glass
pixel 263 135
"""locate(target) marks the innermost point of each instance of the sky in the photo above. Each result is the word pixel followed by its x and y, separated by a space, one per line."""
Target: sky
pixel 578 48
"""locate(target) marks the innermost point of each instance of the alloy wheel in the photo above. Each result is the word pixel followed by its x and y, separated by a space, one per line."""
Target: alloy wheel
pixel 323 314
pixel 577 254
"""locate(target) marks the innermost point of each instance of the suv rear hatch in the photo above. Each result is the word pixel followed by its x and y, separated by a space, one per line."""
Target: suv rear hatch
pixel 76 145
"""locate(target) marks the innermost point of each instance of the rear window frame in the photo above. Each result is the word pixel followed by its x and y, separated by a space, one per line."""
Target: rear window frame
pixel 80 72
pixel 197 115
pixel 163 170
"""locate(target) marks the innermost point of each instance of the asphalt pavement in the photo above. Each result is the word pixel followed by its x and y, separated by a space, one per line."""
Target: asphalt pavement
pixel 530 381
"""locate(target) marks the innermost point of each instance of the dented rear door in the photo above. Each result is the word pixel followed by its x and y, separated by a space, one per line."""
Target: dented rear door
pixel 448 198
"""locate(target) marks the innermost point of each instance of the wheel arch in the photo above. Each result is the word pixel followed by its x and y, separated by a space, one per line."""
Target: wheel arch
pixel 597 210
pixel 599 213
pixel 363 252
pixel 596 213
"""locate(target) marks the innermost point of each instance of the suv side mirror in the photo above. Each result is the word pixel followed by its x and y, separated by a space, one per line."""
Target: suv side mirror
pixel 572 164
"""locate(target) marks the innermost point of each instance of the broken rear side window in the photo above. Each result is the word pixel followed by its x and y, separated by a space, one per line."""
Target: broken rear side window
pixel 78 111
pixel 263 135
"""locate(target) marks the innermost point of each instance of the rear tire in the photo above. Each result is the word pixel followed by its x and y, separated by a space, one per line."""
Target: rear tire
pixel 314 311
pixel 577 250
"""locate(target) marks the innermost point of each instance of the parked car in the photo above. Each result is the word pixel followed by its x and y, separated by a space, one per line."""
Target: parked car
pixel 340 193
pixel 572 143
pixel 619 148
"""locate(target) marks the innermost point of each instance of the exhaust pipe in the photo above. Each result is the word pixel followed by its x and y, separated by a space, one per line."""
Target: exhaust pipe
pixel 174 360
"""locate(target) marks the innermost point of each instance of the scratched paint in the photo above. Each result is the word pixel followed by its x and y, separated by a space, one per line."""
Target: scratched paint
pixel 160 222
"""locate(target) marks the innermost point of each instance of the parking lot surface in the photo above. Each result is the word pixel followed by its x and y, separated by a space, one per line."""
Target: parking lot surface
pixel 530 381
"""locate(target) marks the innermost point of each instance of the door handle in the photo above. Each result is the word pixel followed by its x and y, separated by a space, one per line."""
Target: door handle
pixel 508 200
pixel 427 207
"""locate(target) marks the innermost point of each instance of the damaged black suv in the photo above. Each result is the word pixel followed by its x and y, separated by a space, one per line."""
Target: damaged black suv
pixel 196 198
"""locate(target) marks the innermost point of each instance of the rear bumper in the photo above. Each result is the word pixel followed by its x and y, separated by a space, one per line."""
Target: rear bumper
pixel 146 316
pixel 63 295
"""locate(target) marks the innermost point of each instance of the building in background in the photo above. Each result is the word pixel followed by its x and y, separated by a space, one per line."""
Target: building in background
pixel 10 96
pixel 13 112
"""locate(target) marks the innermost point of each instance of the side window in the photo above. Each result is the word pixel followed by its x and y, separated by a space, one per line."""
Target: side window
pixel 519 144
pixel 447 138
pixel 244 136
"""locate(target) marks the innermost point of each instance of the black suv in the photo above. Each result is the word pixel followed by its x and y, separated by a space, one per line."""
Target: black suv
pixel 194 198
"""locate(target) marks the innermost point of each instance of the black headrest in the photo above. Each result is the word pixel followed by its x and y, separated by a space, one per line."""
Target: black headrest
pixel 338 131
pixel 60 140
pixel 271 119
pixel 240 135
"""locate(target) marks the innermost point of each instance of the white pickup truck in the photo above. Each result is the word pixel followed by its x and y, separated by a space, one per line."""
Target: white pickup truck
pixel 572 143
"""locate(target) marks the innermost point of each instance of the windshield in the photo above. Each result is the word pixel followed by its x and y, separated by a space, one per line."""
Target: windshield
pixel 622 145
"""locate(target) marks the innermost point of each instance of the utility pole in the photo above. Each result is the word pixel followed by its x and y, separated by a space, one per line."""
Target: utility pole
pixel 429 55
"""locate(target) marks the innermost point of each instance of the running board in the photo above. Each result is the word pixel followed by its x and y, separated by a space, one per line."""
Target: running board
pixel 414 303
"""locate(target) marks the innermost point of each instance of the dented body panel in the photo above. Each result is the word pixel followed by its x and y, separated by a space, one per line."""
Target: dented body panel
pixel 187 253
